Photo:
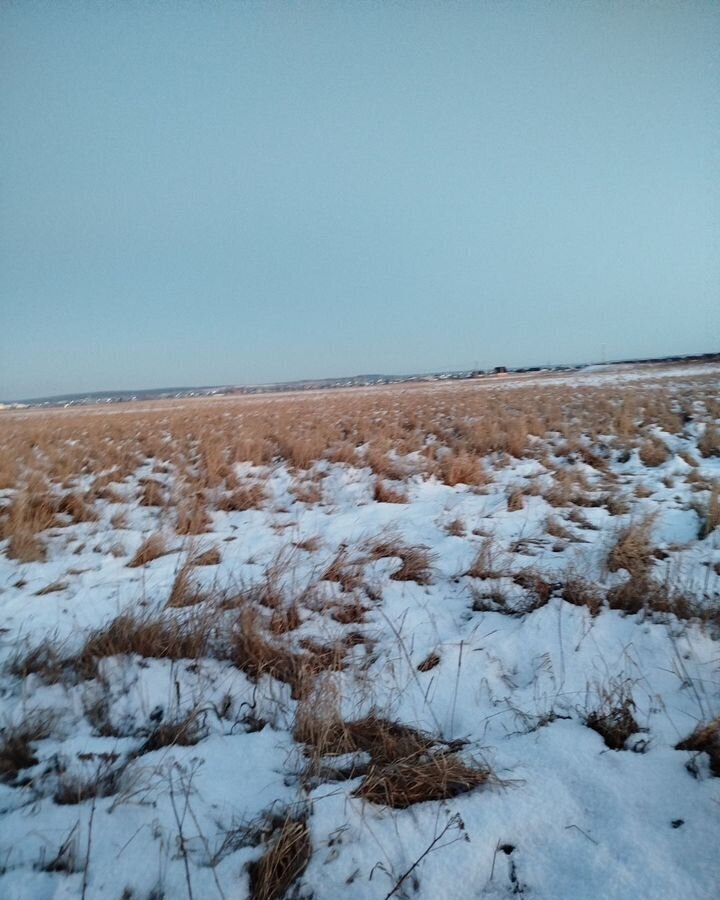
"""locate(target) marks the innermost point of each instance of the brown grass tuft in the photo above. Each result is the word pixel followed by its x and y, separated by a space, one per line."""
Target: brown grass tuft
pixel 344 571
pixel 249 496
pixel 485 564
pixel 709 443
pixel 710 513
pixel 256 655
pixel 383 493
pixel 653 452
pixel 184 732
pixel 191 516
pixel 209 557
pixel 405 782
pixel 142 635
pixel 462 468
pixel 456 528
pixel 581 592
pixel 633 550
pixel 51 588
pixel 430 662
pixel 16 751
pixel 153 547
pixel 416 565
pixel 515 500
pixel 613 719
pixel 77 507
pixel 44 660
pixel 705 739
pixel 287 857
pixel 153 493
pixel 185 591
pixel 30 512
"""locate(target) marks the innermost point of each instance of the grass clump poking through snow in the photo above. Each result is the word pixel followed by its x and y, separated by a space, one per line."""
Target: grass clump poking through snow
pixel 185 591
pixel 286 858
pixel 16 751
pixel 250 496
pixel 416 562
pixel 256 654
pixel 44 660
pixel 581 592
pixel 383 493
pixel 439 776
pixel 151 548
pixel 462 468
pixel 710 513
pixel 632 550
pixel 191 515
pixel 31 511
pixel 143 635
pixel 406 766
pixel 184 732
pixel 705 739
pixel 613 719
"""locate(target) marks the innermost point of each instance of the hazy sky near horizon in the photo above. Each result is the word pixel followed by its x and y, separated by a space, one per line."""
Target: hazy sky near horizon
pixel 229 192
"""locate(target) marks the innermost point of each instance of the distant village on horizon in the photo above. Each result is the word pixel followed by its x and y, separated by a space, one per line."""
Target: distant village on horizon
pixel 368 380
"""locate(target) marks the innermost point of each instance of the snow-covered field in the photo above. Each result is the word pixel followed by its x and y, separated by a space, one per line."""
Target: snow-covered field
pixel 359 675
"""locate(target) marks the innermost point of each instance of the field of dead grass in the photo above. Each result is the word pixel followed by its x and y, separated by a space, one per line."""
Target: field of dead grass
pixel 375 597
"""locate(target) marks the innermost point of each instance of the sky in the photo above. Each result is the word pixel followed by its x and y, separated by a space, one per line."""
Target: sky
pixel 197 193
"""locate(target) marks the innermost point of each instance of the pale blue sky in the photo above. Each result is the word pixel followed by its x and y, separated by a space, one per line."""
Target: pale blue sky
pixel 200 193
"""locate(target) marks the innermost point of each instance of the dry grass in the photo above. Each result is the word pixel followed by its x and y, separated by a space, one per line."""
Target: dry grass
pixel 16 752
pixel 78 507
pixel 515 499
pixel 486 565
pixel 633 550
pixel 308 544
pixel 537 590
pixel 73 789
pixel 44 660
pixel 153 493
pixel 383 493
pixel 613 719
pixel 416 565
pixel 456 528
pixel 705 739
pixel 416 562
pixel 184 732
pixel 581 592
pixel 31 511
pixel 286 858
pixel 710 513
pixel 185 590
pixel 352 613
pixel 200 441
pixel 209 557
pixel 406 766
pixel 256 654
pixel 52 588
pixel 555 528
pixel 709 443
pixel 653 452
pixel 405 782
pixel 191 515
pixel 248 496
pixel 285 619
pixel 462 468
pixel 430 662
pixel 344 570
pixel 153 547
pixel 308 492
pixel 146 636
